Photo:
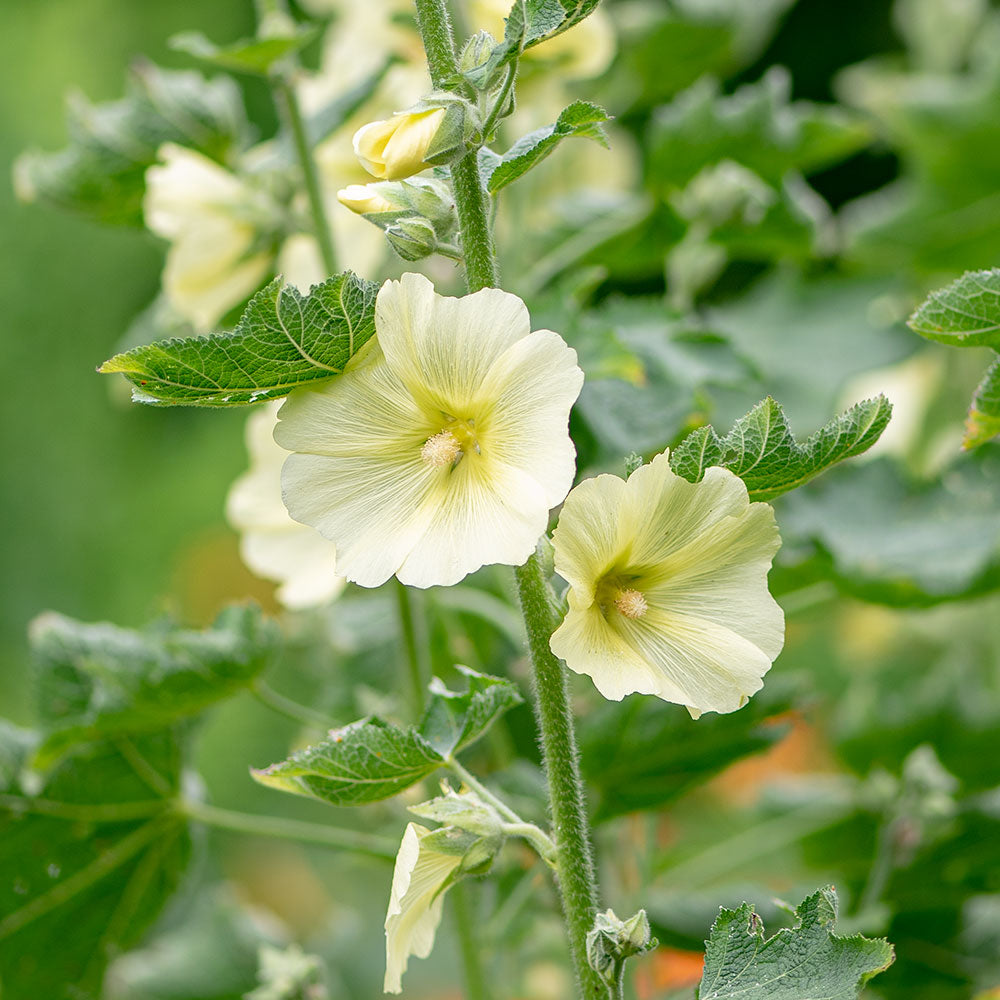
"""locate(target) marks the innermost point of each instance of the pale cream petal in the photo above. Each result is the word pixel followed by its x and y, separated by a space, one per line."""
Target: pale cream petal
pixel 589 645
pixel 415 902
pixel 666 512
pixel 374 511
pixel 441 347
pixel 485 513
pixel 369 415
pixel 722 577
pixel 590 538
pixel 297 557
pixel 697 663
pixel 526 398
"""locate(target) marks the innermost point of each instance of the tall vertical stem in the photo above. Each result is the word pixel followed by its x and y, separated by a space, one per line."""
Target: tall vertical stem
pixel 471 200
pixel 575 866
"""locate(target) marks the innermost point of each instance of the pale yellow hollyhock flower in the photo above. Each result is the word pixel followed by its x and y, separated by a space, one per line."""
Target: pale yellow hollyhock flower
pixel 414 903
pixel 207 213
pixel 365 199
pixel 668 587
pixel 395 148
pixel 444 444
pixel 271 543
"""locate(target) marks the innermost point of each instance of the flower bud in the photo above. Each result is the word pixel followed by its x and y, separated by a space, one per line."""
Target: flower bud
pixel 412 239
pixel 477 52
pixel 367 199
pixel 398 147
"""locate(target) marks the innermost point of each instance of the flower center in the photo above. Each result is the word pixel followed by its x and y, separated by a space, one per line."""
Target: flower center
pixel 441 449
pixel 631 603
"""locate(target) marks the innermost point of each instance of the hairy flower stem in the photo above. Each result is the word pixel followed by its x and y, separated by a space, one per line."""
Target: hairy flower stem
pixel 575 868
pixel 467 928
pixel 288 106
pixel 471 200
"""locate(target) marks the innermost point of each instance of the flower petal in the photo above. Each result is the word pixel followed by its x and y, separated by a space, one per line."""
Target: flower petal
pixel 526 398
pixel 485 512
pixel 415 902
pixel 440 347
pixel 589 645
pixel 590 536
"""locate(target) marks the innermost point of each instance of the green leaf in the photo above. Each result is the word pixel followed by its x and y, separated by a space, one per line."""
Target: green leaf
pixel 965 314
pixel 372 759
pixel 807 961
pixel 453 721
pixel 642 754
pixel 983 421
pixel 581 118
pixel 283 340
pixel 86 863
pixel 250 55
pixel 883 538
pixel 762 451
pixel 364 762
pixel 99 681
pixel 101 173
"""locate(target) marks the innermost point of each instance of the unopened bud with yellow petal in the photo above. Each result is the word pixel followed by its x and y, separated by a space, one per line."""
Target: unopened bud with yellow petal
pixel 398 147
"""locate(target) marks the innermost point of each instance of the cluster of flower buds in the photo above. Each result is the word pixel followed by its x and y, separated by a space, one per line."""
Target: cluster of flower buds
pixel 417 215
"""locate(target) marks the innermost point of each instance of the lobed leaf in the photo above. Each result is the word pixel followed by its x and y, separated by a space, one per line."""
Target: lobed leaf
pixel 454 720
pixel 581 118
pixel 808 960
pixel 983 421
pixel 101 173
pixel 87 862
pixel 250 55
pixel 964 314
pixel 283 340
pixel 365 761
pixel 371 759
pixel 763 452
pixel 100 681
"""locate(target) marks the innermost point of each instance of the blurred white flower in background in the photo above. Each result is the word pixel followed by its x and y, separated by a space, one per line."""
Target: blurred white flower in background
pixel 271 543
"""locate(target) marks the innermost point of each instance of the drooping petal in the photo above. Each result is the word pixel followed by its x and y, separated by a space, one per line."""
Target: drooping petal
pixel 415 902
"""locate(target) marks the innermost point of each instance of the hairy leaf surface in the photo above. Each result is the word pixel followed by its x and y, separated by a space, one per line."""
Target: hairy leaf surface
pixel 762 451
pixel 964 314
pixel 808 962
pixel 371 759
pixel 581 118
pixel 283 340
pixel 97 681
